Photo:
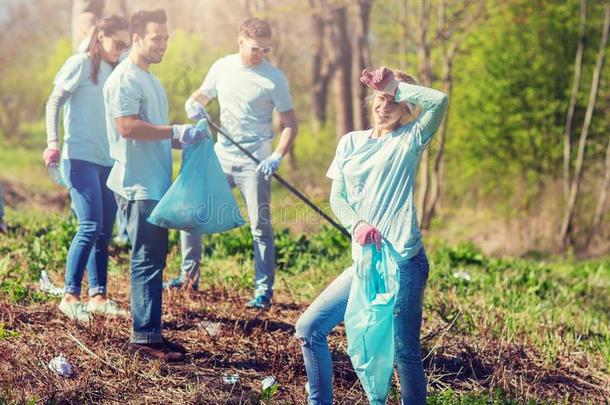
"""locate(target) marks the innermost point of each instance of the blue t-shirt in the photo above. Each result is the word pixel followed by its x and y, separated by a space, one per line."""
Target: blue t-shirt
pixel 142 170
pixel 84 119
pixel 247 96
pixel 380 173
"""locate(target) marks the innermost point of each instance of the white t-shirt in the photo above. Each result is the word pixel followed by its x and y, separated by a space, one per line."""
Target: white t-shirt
pixel 247 96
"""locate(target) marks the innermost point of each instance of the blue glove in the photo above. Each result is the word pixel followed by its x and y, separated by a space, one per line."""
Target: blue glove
pixel 194 110
pixel 270 165
pixel 189 134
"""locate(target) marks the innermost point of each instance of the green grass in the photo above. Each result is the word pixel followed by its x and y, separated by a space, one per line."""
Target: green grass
pixel 559 308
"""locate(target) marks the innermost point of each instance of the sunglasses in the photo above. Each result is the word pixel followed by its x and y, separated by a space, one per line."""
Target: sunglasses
pixel 120 45
pixel 257 49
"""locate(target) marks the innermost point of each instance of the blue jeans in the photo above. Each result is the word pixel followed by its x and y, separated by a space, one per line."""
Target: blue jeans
pixel 256 192
pixel 328 310
pixel 121 228
pixel 95 208
pixel 149 246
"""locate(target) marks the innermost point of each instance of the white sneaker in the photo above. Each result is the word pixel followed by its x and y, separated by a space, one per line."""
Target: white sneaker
pixel 75 311
pixel 110 308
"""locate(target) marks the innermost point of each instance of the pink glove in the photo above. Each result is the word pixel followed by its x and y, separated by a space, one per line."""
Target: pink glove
pixel 50 156
pixel 366 233
pixel 380 80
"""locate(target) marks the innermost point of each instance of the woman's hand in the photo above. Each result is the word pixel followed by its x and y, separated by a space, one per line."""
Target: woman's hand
pixel 382 80
pixel 366 233
pixel 50 157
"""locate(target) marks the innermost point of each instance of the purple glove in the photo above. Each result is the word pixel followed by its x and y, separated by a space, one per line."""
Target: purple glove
pixel 188 134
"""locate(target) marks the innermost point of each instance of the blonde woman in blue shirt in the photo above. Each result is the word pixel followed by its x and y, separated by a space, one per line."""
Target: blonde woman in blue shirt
pixel 86 163
pixel 373 187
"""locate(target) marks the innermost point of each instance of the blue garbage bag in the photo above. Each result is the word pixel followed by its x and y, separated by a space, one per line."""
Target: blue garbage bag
pixel 369 320
pixel 200 199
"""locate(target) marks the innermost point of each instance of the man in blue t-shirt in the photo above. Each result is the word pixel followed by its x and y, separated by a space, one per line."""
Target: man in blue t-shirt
pixel 140 140
pixel 248 89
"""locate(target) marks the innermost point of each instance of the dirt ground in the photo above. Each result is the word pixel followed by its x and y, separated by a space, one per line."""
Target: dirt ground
pixel 253 345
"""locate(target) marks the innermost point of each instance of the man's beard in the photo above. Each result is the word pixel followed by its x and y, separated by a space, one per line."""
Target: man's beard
pixel 152 58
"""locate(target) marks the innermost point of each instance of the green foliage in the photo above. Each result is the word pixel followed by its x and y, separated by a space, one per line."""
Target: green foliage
pixel 449 397
pixel 34 245
pixel 520 296
pixel 510 98
pixel 25 86
pixel 182 70
pixel 5 333
pixel 293 253
pixel 5 401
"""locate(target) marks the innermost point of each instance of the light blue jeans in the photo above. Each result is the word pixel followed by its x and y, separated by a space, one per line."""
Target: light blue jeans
pixel 328 310
pixel 94 205
pixel 256 192
pixel 121 228
pixel 149 247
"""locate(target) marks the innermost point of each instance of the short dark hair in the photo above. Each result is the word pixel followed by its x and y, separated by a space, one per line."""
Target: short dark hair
pixel 140 19
pixel 255 28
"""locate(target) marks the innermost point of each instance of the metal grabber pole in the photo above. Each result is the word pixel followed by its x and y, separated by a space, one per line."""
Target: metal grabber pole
pixel 283 182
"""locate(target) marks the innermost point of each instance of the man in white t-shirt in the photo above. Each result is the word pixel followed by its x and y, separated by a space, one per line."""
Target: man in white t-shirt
pixel 248 89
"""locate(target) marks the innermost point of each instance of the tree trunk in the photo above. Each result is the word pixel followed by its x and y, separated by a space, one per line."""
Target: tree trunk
pixel 425 79
pixel 362 60
pixel 402 38
pixel 430 206
pixel 566 227
pixel 320 69
pixel 567 133
pixel 343 74
pixel 84 14
pixel 435 178
pixel 116 7
pixel 603 196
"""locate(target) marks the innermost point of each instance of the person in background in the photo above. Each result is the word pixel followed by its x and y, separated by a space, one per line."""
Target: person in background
pixel 248 89
pixel 86 163
pixel 140 138
pixel 373 187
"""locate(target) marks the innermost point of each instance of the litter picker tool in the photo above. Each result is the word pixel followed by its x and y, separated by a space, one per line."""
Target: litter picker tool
pixel 283 182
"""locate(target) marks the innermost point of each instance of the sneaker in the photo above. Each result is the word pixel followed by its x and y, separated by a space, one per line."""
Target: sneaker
pixel 3 228
pixel 177 284
pixel 156 351
pixel 74 310
pixel 259 302
pixel 109 308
